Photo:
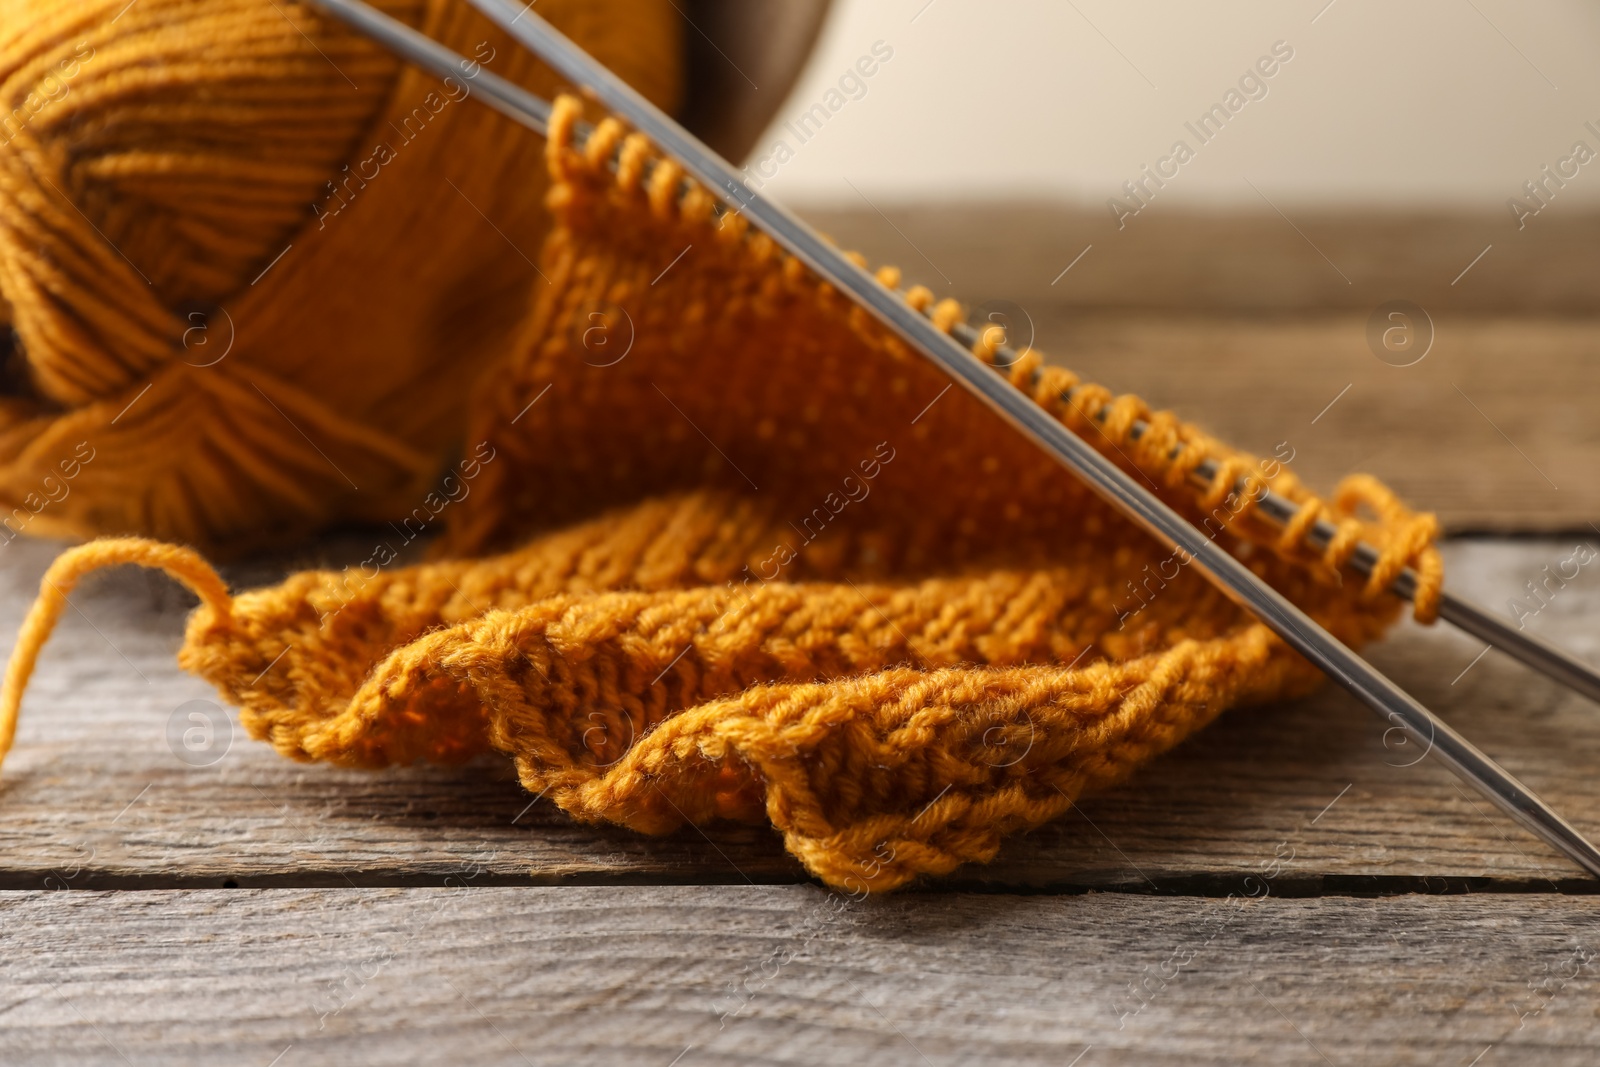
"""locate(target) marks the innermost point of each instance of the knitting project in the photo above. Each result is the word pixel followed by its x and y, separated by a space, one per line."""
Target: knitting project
pixel 722 547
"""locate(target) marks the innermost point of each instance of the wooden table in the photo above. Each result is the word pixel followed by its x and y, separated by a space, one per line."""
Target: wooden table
pixel 1290 887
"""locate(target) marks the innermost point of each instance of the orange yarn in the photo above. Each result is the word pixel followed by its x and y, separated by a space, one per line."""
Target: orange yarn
pixel 254 262
pixel 779 571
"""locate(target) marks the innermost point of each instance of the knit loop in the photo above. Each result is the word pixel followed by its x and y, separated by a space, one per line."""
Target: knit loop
pixel 946 314
pixel 1406 540
pixel 631 157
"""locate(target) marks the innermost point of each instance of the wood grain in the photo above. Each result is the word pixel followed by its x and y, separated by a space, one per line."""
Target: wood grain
pixel 94 797
pixel 1227 262
pixel 791 975
pixel 1491 430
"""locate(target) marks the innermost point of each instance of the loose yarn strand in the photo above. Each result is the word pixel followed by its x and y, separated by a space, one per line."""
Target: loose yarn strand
pixel 183 564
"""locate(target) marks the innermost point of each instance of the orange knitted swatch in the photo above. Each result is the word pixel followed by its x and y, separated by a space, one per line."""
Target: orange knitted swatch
pixel 770 566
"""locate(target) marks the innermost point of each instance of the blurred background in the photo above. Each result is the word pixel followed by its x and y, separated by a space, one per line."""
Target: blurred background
pixel 1379 253
pixel 1430 103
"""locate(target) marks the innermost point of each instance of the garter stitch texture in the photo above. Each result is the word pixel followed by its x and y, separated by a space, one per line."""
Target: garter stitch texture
pixel 731 551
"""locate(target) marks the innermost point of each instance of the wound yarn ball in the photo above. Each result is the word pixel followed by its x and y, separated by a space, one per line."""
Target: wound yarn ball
pixel 251 265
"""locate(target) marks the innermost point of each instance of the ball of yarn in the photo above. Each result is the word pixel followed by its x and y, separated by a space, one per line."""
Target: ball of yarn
pixel 250 264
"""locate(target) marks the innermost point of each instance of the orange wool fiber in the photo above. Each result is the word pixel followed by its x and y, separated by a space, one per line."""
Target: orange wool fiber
pixel 731 551
pixel 237 238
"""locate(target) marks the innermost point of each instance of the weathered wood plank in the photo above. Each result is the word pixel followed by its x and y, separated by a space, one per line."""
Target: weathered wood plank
pixel 93 795
pixel 788 975
pixel 1222 262
pixel 1491 430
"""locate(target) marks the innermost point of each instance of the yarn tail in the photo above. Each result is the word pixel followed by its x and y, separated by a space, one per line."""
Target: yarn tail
pixel 183 564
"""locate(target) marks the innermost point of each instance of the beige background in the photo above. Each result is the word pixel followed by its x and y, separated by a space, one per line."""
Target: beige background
pixel 1429 102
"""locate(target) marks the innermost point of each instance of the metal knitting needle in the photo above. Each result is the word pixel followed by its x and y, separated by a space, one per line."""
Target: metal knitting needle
pixel 1465 615
pixel 1291 624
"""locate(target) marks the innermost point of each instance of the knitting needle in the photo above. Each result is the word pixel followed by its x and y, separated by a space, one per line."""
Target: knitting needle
pixel 1291 624
pixel 420 50
pixel 1465 615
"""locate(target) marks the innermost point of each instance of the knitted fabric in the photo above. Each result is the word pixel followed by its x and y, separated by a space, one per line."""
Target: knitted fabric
pixel 741 555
